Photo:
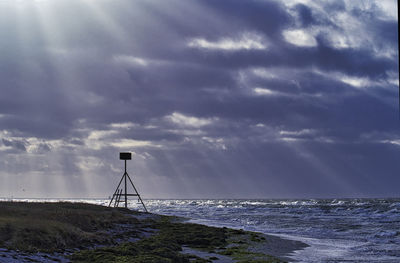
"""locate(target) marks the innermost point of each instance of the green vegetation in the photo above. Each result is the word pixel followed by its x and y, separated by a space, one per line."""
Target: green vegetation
pixel 101 234
pixel 146 250
pixel 166 245
pixel 50 227
pixel 239 243
pixel 161 247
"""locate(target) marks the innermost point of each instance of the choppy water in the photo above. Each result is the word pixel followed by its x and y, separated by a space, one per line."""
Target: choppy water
pixel 337 230
pixel 351 230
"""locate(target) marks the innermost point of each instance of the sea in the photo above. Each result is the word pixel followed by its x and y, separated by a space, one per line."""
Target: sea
pixel 336 230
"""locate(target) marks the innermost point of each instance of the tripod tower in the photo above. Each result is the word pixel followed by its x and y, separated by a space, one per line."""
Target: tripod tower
pixel 123 192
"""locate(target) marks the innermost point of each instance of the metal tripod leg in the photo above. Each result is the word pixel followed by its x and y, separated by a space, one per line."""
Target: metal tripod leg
pixel 145 209
pixel 116 190
pixel 117 201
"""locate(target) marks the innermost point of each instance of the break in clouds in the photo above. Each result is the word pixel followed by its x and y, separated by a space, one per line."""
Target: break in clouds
pixel 214 98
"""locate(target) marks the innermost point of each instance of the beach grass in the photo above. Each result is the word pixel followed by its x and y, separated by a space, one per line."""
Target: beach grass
pixel 49 227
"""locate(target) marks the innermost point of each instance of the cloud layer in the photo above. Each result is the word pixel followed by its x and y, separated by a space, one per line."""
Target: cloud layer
pixel 215 99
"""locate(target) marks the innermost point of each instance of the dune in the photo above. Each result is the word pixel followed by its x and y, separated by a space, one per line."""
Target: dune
pixel 79 232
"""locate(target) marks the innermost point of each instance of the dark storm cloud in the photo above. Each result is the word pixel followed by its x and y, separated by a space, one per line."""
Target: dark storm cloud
pixel 349 61
pixel 206 89
pixel 269 17
pixel 19 145
pixel 306 16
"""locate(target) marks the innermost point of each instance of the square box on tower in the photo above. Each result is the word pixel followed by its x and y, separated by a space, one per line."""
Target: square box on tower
pixel 125 156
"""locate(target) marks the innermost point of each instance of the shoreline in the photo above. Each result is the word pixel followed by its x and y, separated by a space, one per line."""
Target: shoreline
pixel 281 246
pixel 284 247
pixel 77 232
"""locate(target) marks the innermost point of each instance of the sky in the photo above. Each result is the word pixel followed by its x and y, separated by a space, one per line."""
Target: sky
pixel 215 99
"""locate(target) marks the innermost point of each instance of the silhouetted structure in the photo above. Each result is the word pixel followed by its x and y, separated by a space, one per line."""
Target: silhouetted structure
pixel 119 192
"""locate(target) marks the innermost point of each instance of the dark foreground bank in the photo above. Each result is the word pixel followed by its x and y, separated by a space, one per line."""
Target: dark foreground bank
pixel 78 232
